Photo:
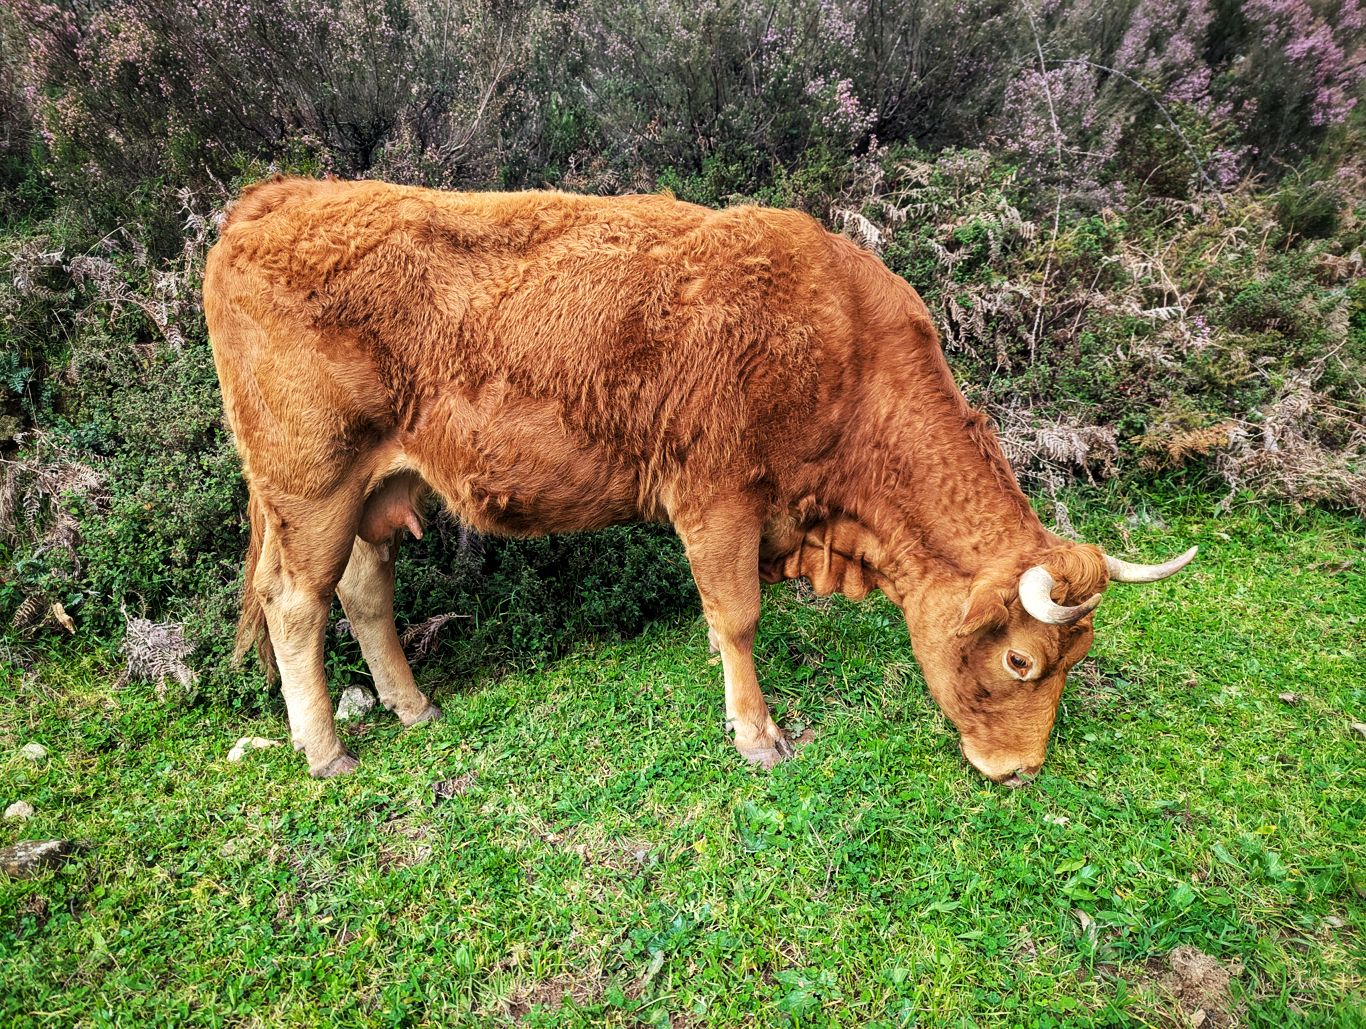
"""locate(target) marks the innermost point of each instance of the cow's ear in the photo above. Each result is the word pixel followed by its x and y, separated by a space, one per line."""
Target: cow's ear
pixel 985 609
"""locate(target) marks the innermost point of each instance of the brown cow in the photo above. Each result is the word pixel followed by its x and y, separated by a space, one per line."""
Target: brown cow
pixel 546 362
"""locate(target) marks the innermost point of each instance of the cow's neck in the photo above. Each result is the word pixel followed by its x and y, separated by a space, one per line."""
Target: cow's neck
pixel 919 488
pixel 905 523
pixel 937 492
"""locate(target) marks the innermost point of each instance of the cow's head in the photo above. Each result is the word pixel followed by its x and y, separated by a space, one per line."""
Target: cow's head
pixel 996 659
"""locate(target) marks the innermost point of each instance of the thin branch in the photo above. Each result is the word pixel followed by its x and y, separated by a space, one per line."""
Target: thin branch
pixel 1057 201
pixel 1195 159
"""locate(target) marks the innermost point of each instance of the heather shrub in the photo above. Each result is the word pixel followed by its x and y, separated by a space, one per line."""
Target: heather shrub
pixel 189 89
pixel 605 95
pixel 1097 347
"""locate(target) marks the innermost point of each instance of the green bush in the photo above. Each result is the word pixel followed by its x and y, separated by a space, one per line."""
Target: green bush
pixel 524 599
pixel 135 501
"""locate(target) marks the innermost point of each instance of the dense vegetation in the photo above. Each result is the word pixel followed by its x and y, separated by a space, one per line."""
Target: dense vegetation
pixel 1139 225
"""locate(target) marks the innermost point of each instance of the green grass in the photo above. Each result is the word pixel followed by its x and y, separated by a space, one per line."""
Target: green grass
pixel 612 860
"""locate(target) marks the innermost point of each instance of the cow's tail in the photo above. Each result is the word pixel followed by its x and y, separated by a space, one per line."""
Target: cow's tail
pixel 251 626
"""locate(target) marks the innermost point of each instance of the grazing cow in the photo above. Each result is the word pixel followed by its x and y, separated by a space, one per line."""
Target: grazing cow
pixel 545 362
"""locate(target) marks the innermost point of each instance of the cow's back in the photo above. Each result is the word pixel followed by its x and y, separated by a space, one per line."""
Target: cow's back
pixel 547 361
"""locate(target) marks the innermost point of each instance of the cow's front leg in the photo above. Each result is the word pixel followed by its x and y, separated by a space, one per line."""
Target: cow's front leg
pixel 367 595
pixel 723 551
pixel 294 580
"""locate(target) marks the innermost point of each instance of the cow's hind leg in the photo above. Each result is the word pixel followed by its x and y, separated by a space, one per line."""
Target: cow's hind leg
pixel 367 595
pixel 302 556
pixel 723 551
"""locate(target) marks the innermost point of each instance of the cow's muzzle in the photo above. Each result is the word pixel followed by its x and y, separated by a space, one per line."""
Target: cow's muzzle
pixel 1002 773
pixel 1019 777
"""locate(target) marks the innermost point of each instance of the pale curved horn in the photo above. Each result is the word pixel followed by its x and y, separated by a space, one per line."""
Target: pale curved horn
pixel 1123 571
pixel 1036 594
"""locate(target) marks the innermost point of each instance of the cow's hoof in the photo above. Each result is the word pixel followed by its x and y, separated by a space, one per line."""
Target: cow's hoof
pixel 343 764
pixel 765 755
pixel 431 713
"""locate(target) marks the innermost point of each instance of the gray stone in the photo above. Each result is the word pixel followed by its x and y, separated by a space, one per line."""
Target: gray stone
pixel 29 857
pixel 354 703
pixel 33 751
pixel 20 810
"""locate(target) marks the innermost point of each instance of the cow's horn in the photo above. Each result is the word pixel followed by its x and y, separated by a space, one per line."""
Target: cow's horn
pixel 1123 571
pixel 1036 594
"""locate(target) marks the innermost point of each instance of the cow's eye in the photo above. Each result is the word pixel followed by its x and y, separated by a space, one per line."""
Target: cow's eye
pixel 1018 663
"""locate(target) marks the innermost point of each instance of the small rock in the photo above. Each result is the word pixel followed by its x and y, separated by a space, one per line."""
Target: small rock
pixel 354 703
pixel 20 810
pixel 1289 698
pixel 1334 922
pixel 1359 728
pixel 247 743
pixel 29 857
pixel 33 751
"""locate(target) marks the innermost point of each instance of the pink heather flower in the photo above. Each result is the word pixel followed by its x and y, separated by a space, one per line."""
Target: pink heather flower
pixel 1309 43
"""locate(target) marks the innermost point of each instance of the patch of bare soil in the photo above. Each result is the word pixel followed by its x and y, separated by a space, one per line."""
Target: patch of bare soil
pixel 35 906
pixel 551 995
pixel 1198 983
pixel 618 855
pixel 448 788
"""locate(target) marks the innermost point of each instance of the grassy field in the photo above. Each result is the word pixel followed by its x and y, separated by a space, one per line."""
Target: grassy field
pixel 582 846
